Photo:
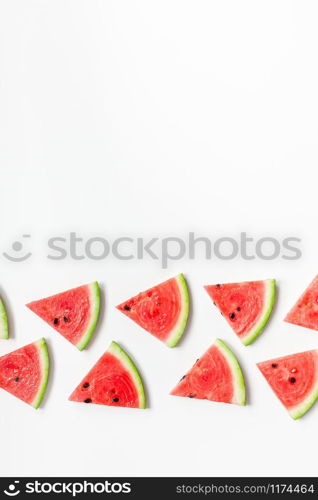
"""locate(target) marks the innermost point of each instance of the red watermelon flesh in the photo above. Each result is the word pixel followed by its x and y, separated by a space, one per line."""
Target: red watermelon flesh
pixel 24 372
pixel 161 310
pixel 305 311
pixel 113 381
pixel 294 379
pixel 246 306
pixel 74 313
pixel 216 376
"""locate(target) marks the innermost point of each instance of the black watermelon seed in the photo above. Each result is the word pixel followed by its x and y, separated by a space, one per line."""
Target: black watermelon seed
pixel 191 396
pixel 66 319
pixel 218 285
pixel 292 380
pixel 274 365
pixel 214 303
pixel 115 400
pixel 232 316
pixel 184 376
pixel 127 308
pixel 86 385
pixel 238 309
pixel 88 400
pixel 16 379
pixel 55 321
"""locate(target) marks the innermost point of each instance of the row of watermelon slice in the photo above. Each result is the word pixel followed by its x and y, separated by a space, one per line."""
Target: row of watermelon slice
pixel 163 311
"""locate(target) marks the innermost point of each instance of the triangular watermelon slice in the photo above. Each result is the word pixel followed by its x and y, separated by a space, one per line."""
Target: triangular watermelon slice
pixel 24 372
pixel 113 381
pixel 216 376
pixel 4 327
pixel 162 310
pixel 246 306
pixel 305 311
pixel 294 379
pixel 74 313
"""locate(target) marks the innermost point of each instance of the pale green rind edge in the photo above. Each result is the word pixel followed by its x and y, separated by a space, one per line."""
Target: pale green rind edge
pixel 268 307
pixel 302 408
pixel 179 329
pixel 45 365
pixel 117 351
pixel 95 308
pixel 4 326
pixel 240 391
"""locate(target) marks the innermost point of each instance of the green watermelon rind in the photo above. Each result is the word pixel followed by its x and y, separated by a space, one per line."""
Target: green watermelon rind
pixel 129 365
pixel 95 308
pixel 269 300
pixel 238 378
pixel 45 366
pixel 178 330
pixel 303 407
pixel 4 326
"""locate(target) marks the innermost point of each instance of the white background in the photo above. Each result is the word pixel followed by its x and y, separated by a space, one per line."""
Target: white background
pixel 157 118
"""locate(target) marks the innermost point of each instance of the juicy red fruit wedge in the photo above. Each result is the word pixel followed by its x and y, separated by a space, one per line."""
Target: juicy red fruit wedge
pixel 305 311
pixel 216 376
pixel 294 380
pixel 113 381
pixel 24 372
pixel 162 310
pixel 74 313
pixel 246 306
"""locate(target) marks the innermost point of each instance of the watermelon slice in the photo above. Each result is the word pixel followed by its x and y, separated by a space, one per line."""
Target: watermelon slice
pixel 113 381
pixel 305 311
pixel 246 306
pixel 294 379
pixel 216 376
pixel 24 372
pixel 4 328
pixel 162 310
pixel 74 314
